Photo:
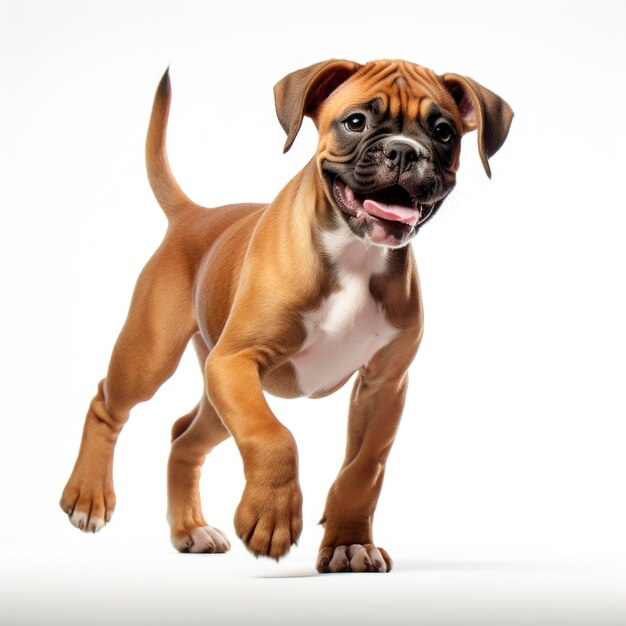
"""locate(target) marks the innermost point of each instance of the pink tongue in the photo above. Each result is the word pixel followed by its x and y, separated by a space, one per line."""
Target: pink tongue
pixel 392 212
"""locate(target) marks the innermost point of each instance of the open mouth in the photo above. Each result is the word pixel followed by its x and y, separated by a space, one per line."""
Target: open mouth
pixel 390 204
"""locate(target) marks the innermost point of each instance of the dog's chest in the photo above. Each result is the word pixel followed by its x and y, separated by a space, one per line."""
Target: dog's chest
pixel 348 327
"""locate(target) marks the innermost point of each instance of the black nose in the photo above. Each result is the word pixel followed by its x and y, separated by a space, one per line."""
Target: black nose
pixel 400 154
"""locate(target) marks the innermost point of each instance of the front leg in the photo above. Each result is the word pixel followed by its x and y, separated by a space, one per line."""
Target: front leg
pixel 269 516
pixel 375 409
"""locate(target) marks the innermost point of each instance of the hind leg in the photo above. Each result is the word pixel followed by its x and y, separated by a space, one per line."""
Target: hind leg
pixel 193 437
pixel 190 531
pixel 159 325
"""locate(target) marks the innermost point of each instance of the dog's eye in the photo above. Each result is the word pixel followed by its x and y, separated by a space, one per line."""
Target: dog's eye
pixel 355 123
pixel 443 132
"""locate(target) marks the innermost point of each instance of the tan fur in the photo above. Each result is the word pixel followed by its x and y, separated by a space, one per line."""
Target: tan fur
pixel 236 280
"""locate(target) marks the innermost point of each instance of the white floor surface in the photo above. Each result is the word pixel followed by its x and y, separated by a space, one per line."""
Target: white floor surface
pixel 168 588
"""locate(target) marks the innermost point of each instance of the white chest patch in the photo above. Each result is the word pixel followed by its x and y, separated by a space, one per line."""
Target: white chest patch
pixel 349 326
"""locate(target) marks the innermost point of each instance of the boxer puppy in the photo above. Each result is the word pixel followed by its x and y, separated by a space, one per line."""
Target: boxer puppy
pixel 292 298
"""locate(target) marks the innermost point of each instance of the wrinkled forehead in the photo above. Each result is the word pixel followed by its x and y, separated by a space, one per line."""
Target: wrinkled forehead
pixel 403 89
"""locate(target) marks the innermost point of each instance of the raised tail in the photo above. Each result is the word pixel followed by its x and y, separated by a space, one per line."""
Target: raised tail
pixel 169 195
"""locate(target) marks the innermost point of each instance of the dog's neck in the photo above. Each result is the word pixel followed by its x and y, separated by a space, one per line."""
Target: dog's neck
pixel 351 255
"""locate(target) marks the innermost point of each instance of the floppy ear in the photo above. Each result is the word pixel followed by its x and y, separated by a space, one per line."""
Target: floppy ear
pixel 481 109
pixel 301 92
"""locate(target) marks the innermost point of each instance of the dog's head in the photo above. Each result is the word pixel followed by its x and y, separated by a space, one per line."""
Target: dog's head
pixel 389 138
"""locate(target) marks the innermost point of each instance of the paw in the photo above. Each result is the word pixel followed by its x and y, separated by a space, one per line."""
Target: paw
pixel 87 522
pixel 203 539
pixel 269 519
pixel 353 558
pixel 89 507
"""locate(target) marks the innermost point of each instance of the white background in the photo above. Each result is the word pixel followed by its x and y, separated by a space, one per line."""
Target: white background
pixel 504 496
